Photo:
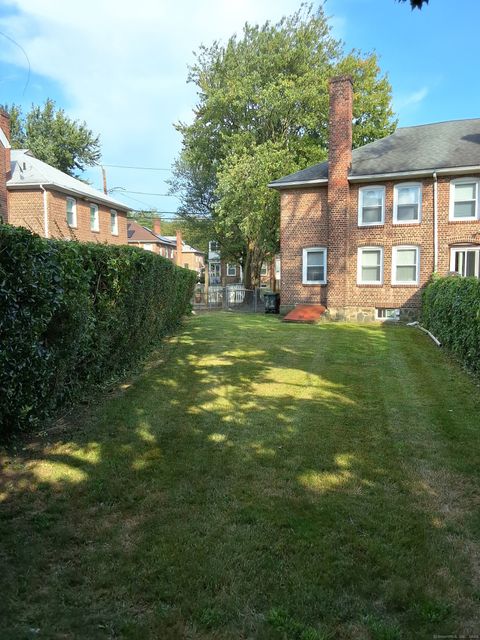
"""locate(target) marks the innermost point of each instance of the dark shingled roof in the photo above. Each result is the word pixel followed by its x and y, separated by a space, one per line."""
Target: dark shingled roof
pixel 426 147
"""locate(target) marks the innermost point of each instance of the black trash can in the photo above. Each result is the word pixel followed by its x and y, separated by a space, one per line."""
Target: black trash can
pixel 272 302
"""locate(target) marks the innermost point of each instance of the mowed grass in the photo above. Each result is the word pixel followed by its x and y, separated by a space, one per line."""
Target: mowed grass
pixel 260 480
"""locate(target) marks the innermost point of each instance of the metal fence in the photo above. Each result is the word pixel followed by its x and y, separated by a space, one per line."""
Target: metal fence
pixel 233 297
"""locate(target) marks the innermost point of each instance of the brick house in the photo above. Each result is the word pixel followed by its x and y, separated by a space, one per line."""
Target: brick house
pixel 221 272
pixel 363 232
pixel 51 203
pixel 151 240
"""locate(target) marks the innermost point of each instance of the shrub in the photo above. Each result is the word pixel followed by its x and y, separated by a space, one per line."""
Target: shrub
pixel 73 315
pixel 451 311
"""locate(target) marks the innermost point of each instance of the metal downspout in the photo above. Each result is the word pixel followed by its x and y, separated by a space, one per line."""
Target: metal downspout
pixel 45 211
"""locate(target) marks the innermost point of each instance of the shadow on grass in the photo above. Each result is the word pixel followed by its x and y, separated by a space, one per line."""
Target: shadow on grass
pixel 265 482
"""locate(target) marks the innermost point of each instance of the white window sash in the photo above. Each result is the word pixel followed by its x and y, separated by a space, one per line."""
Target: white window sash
pixel 361 206
pixel 360 253
pixel 396 203
pixel 395 252
pixel 453 184
pixel 72 204
pixel 305 253
pixel 456 250
pixel 95 223
pixel 114 222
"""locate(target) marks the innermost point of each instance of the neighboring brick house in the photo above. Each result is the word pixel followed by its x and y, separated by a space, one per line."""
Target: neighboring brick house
pixel 363 232
pixel 53 204
pixel 191 258
pixel 145 238
pixel 221 272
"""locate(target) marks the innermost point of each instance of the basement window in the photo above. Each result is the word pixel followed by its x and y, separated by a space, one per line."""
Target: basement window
pixel 387 314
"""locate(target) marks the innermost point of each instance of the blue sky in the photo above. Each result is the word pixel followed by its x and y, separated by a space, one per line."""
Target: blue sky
pixel 122 67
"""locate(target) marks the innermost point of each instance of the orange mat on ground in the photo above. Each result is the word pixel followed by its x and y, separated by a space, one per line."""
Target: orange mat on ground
pixel 305 313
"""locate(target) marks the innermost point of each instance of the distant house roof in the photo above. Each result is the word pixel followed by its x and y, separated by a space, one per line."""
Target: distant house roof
pixel 186 248
pixel 137 233
pixel 442 146
pixel 28 172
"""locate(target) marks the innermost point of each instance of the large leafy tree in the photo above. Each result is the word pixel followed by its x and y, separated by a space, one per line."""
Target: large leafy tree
pixel 262 112
pixel 68 145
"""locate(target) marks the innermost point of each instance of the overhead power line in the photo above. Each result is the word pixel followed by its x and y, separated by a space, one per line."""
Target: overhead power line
pixel 148 193
pixel 125 166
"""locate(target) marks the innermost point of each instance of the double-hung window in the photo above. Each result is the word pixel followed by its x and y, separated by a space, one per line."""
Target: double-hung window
pixel 94 220
pixel 464 199
pixel 71 212
pixel 370 265
pixel 371 206
pixel 465 261
pixel 113 222
pixel 264 269
pixel 405 265
pixel 407 203
pixel 314 265
pixel 231 269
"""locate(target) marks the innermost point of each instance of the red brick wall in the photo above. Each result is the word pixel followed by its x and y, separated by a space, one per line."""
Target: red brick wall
pixel 338 193
pixel 26 209
pixel 304 223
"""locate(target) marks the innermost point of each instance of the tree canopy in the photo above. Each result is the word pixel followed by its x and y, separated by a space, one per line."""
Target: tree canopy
pixel 415 4
pixel 262 112
pixel 68 145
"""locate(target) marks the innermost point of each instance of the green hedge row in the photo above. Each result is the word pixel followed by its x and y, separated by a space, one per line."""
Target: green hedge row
pixel 73 315
pixel 451 311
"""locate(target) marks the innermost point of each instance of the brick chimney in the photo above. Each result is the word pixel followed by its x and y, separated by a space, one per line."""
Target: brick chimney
pixel 339 162
pixel 156 226
pixel 4 163
pixel 178 233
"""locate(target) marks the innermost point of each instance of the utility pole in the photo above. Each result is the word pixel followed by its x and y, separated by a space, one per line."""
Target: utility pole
pixel 104 176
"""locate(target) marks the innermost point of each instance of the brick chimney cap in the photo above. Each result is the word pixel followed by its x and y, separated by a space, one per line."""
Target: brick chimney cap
pixel 344 78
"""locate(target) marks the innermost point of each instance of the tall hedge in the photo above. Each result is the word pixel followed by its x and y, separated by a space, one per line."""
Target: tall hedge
pixel 451 311
pixel 73 315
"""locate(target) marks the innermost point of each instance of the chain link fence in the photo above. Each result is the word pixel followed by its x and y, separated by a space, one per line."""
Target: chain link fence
pixel 230 298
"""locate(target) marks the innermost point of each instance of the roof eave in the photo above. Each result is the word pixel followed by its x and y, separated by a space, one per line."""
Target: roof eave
pixel 295 184
pixel 62 189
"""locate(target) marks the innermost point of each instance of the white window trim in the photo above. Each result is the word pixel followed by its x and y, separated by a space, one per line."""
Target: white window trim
pixel 401 185
pixel 229 267
pixel 96 227
pixel 360 206
pixel 74 212
pixel 148 246
pixel 264 273
pixel 453 183
pixel 455 250
pixel 360 250
pixel 304 265
pixel 395 250
pixel 114 231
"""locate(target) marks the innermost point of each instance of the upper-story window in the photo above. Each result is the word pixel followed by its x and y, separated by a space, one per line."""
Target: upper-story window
pixel 371 206
pixel 465 261
pixel 405 265
pixel 94 218
pixel 71 212
pixel 464 199
pixel 148 246
pixel 264 269
pixel 407 203
pixel 314 266
pixel 113 222
pixel 213 246
pixel 231 269
pixel 370 265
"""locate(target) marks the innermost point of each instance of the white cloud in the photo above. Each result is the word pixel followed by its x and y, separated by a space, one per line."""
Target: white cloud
pixel 121 66
pixel 410 100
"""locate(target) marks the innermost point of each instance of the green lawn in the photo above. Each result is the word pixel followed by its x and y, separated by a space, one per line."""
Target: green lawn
pixel 259 480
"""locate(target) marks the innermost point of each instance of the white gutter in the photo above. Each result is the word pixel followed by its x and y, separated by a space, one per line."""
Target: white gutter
pixel 113 204
pixel 435 222
pixel 305 183
pixel 45 211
